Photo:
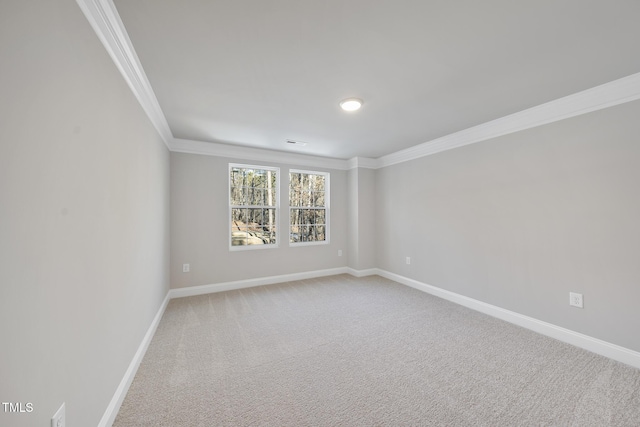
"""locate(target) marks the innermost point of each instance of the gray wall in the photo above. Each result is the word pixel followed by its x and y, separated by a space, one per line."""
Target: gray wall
pixel 522 220
pixel 366 219
pixel 353 246
pixel 517 222
pixel 362 217
pixel 84 190
pixel 200 226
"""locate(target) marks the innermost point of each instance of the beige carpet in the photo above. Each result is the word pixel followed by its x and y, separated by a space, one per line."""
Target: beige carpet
pixel 342 351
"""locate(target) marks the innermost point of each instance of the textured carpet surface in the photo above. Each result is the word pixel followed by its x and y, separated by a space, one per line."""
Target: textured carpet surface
pixel 343 351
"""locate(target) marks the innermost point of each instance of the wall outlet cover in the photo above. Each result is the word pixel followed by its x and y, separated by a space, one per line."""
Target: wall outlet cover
pixel 575 300
pixel 59 419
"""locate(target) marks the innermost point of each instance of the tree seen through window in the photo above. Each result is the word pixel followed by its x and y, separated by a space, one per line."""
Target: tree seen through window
pixel 308 207
pixel 253 203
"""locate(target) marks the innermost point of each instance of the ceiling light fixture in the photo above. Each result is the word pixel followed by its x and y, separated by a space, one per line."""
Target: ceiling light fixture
pixel 351 104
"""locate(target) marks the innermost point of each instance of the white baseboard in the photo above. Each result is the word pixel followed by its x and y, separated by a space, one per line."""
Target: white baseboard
pixel 250 283
pixel 603 348
pixel 114 406
pixel 362 273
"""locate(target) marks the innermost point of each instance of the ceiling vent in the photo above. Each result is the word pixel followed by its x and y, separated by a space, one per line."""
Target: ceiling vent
pixel 296 143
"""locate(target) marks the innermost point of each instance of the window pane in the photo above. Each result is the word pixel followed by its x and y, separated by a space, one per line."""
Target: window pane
pixel 270 197
pixel 269 219
pixel 239 215
pixel 294 180
pixel 271 234
pixel 304 233
pixel 255 218
pixel 236 177
pixel 256 238
pixel 239 237
pixel 250 177
pixel 308 216
pixel 294 198
pixel 256 196
pixel 244 197
pixel 293 216
pixel 251 189
pixel 313 234
pixel 236 195
pixel 259 178
pixel 261 198
pixel 310 233
pixel 243 174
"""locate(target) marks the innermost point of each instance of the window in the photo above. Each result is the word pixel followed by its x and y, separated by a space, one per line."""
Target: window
pixel 308 207
pixel 253 206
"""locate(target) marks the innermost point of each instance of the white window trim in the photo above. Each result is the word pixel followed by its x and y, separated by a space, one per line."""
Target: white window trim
pixel 277 208
pixel 327 203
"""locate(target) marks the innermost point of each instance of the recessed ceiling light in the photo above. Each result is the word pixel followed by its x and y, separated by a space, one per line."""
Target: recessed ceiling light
pixel 351 104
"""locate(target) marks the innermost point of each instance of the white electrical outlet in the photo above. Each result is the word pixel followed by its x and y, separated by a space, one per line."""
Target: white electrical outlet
pixel 575 300
pixel 339 252
pixel 59 419
pixel 186 268
pixel 408 260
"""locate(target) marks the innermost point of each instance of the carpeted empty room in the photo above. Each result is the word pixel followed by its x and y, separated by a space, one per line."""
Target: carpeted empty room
pixel 366 351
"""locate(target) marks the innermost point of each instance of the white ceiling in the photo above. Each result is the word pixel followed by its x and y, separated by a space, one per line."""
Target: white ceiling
pixel 256 73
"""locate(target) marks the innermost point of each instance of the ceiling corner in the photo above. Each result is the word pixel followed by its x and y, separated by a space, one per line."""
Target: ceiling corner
pixel 105 21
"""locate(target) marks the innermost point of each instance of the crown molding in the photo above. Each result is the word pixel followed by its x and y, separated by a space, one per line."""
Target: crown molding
pixel 363 162
pixel 105 20
pixel 607 95
pixel 256 154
